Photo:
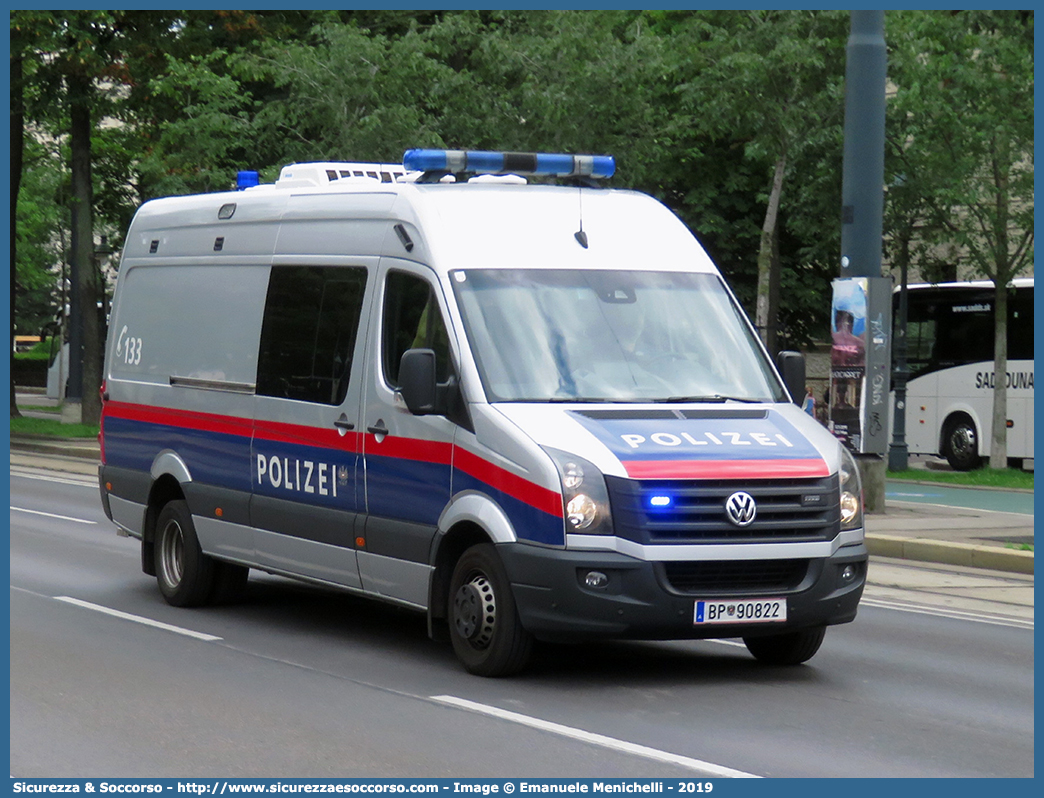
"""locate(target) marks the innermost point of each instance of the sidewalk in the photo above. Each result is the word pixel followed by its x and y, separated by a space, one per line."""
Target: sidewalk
pixel 951 536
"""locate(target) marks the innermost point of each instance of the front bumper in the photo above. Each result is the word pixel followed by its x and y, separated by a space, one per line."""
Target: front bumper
pixel 638 601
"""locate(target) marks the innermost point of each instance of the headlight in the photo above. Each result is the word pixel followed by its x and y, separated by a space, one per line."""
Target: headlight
pixel 851 492
pixel 585 500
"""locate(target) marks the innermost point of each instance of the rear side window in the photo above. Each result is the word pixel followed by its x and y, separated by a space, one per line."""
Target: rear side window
pixel 308 333
pixel 412 320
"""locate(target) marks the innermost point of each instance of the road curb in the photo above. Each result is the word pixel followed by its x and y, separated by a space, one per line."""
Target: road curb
pixel 86 450
pixel 945 552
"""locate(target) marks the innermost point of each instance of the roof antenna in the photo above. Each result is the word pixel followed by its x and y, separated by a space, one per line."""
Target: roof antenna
pixel 580 235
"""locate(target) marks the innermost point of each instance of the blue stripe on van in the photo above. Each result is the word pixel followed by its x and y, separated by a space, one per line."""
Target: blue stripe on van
pixel 530 523
pixel 213 458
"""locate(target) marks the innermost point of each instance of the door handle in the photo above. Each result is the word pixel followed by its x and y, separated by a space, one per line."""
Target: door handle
pixel 378 428
pixel 345 424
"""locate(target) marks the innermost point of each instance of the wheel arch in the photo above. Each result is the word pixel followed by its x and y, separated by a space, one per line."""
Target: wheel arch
pixel 448 549
pixel 165 488
pixel 470 518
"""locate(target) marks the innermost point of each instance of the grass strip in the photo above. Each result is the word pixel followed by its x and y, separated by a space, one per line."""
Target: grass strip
pixel 52 428
pixel 1009 478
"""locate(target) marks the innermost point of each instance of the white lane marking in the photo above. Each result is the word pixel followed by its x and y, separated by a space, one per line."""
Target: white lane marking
pixel 53 515
pixel 708 768
pixel 137 619
pixel 943 612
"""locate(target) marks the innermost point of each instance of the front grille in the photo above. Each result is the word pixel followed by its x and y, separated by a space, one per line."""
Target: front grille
pixel 787 510
pixel 743 576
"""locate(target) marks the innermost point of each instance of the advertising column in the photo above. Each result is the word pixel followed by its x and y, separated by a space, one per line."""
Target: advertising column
pixel 860 354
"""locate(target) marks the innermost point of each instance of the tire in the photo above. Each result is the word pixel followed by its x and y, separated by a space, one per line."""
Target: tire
pixel 791 648
pixel 484 627
pixel 961 446
pixel 186 576
pixel 229 582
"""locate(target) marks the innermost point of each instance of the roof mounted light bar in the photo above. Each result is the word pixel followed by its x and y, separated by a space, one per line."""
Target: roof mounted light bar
pixel 503 163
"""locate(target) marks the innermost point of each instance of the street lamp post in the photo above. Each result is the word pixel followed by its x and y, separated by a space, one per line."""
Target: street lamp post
pixel 898 451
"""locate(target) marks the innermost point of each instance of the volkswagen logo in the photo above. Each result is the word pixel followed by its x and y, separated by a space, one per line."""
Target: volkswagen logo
pixel 741 508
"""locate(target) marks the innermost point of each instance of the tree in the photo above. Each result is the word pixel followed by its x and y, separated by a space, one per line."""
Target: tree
pixel 70 53
pixel 772 82
pixel 965 80
pixel 17 151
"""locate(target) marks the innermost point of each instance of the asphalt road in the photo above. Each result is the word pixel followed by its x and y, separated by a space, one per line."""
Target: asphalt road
pixel 297 681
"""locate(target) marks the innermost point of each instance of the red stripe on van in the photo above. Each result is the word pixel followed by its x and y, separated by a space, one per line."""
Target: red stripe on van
pixel 517 487
pixel 326 437
pixel 439 453
pixel 188 419
pixel 726 469
pixel 435 452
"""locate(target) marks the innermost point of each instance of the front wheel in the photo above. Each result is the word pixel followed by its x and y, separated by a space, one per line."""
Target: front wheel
pixel 791 648
pixel 487 635
pixel 186 576
pixel 962 446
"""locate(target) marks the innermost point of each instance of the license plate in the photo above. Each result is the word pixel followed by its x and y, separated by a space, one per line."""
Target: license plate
pixel 740 611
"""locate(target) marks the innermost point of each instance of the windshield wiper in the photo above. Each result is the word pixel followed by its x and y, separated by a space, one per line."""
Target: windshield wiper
pixel 712 398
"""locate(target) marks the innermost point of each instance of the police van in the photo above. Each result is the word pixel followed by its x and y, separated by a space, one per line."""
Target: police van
pixel 527 406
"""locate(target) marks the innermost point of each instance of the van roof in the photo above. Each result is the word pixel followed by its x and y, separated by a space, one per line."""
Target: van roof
pixel 476 224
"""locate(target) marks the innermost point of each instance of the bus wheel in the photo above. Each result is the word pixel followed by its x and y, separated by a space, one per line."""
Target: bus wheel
pixel 791 648
pixel 184 573
pixel 484 626
pixel 962 445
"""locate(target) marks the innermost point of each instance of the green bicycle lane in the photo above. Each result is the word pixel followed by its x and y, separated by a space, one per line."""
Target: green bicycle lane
pixel 994 500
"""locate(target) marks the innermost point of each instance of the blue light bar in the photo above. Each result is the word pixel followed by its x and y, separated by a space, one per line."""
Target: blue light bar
pixel 503 163
pixel 660 501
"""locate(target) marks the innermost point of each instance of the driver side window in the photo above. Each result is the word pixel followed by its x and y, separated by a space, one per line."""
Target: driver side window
pixel 412 320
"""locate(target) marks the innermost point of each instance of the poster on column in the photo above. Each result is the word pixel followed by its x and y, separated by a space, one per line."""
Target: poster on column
pixel 848 360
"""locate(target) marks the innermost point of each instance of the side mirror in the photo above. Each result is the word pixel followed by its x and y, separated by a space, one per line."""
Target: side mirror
pixel 417 381
pixel 791 367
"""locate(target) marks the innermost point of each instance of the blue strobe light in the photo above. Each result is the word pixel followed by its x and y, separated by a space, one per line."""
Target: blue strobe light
pixel 247 179
pixel 504 163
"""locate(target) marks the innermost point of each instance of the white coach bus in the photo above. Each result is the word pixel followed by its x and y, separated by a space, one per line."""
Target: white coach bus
pixel 950 339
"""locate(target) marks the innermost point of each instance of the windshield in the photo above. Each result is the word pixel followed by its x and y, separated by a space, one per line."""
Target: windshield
pixel 610 336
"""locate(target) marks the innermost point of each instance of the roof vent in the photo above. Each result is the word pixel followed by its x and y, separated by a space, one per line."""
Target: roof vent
pixel 300 175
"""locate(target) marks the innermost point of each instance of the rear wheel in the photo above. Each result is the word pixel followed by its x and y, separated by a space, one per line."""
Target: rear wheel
pixel 962 445
pixel 186 576
pixel 791 648
pixel 487 635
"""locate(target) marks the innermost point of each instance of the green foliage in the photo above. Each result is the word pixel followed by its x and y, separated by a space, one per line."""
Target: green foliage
pixel 346 95
pixel 697 106
pixel 39 251
pixel 195 151
pixel 961 138
pixel 41 350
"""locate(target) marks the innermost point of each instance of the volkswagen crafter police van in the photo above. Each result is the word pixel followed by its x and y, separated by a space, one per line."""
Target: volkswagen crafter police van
pixel 530 411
